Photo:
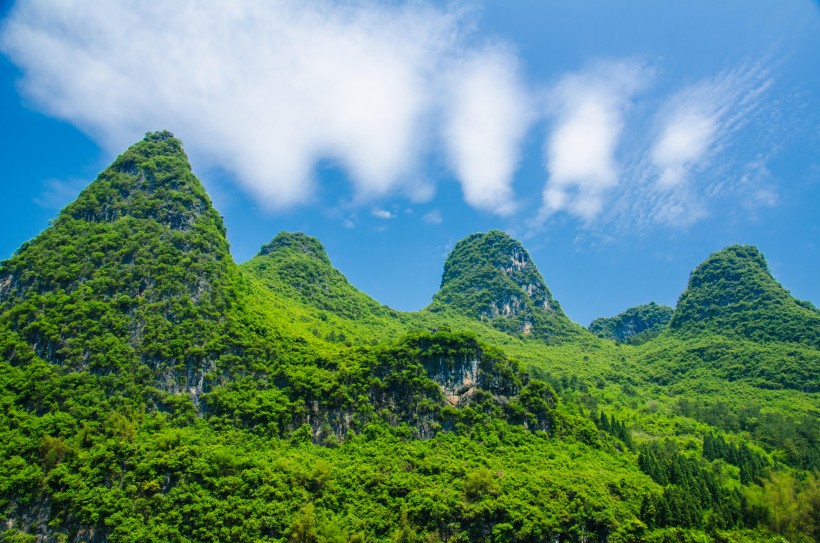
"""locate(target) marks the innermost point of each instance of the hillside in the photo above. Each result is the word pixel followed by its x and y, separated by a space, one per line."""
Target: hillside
pixel 153 390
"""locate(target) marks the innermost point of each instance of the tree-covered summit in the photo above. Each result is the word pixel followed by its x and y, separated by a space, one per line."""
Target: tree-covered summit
pixel 490 276
pixel 152 179
pixel 733 293
pixel 635 325
pixel 135 277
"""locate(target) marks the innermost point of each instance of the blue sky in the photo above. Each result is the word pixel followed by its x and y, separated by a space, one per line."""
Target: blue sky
pixel 621 142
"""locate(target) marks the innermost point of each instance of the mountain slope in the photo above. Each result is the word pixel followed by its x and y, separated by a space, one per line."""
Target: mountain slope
pixel 490 277
pixel 135 276
pixel 635 325
pixel 733 293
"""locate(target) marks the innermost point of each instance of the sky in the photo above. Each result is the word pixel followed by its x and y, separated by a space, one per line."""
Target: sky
pixel 621 142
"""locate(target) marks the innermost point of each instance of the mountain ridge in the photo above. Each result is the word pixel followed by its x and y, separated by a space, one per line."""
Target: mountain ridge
pixel 153 390
pixel 635 325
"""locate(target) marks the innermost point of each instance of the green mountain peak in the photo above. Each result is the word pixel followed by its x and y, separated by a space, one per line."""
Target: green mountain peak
pixel 490 276
pixel 296 265
pixel 733 293
pixel 142 254
pixel 298 242
pixel 152 179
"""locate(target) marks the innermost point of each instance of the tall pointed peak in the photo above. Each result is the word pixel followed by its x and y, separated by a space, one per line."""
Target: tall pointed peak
pixel 733 292
pixel 142 246
pixel 152 179
pixel 298 242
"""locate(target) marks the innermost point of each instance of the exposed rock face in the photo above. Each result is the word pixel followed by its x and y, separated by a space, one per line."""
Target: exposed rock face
pixel 457 378
pixel 492 277
pixel 419 387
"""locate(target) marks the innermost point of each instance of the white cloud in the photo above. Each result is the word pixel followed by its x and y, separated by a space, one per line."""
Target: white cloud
pixel 268 89
pixel 489 114
pixel 433 217
pixel 683 141
pixel 348 224
pixel 588 110
pixel 383 214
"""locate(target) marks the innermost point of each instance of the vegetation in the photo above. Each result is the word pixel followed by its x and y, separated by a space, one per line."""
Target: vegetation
pixel 733 293
pixel 491 277
pixel 153 390
pixel 636 325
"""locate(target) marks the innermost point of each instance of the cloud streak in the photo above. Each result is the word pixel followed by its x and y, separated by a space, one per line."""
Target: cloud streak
pixel 690 165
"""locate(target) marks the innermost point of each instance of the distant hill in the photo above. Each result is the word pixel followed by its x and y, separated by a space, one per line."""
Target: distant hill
pixel 297 266
pixel 635 325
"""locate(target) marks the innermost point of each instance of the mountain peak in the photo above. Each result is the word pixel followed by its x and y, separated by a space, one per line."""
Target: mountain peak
pixel 498 250
pixel 733 293
pixel 152 179
pixel 142 249
pixel 490 276
pixel 296 241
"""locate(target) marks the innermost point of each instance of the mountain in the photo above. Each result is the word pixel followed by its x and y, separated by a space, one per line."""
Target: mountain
pixel 635 325
pixel 491 277
pixel 135 276
pixel 153 390
pixel 297 266
pixel 733 293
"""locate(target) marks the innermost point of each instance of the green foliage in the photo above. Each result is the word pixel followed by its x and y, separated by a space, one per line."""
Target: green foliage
pixel 733 293
pixel 153 390
pixel 636 325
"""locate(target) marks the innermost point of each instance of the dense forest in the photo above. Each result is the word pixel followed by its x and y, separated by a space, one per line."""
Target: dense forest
pixel 154 390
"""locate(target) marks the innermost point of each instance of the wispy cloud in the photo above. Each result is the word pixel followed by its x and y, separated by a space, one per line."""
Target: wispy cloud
pixel 692 162
pixel 588 110
pixel 433 217
pixel 383 214
pixel 57 193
